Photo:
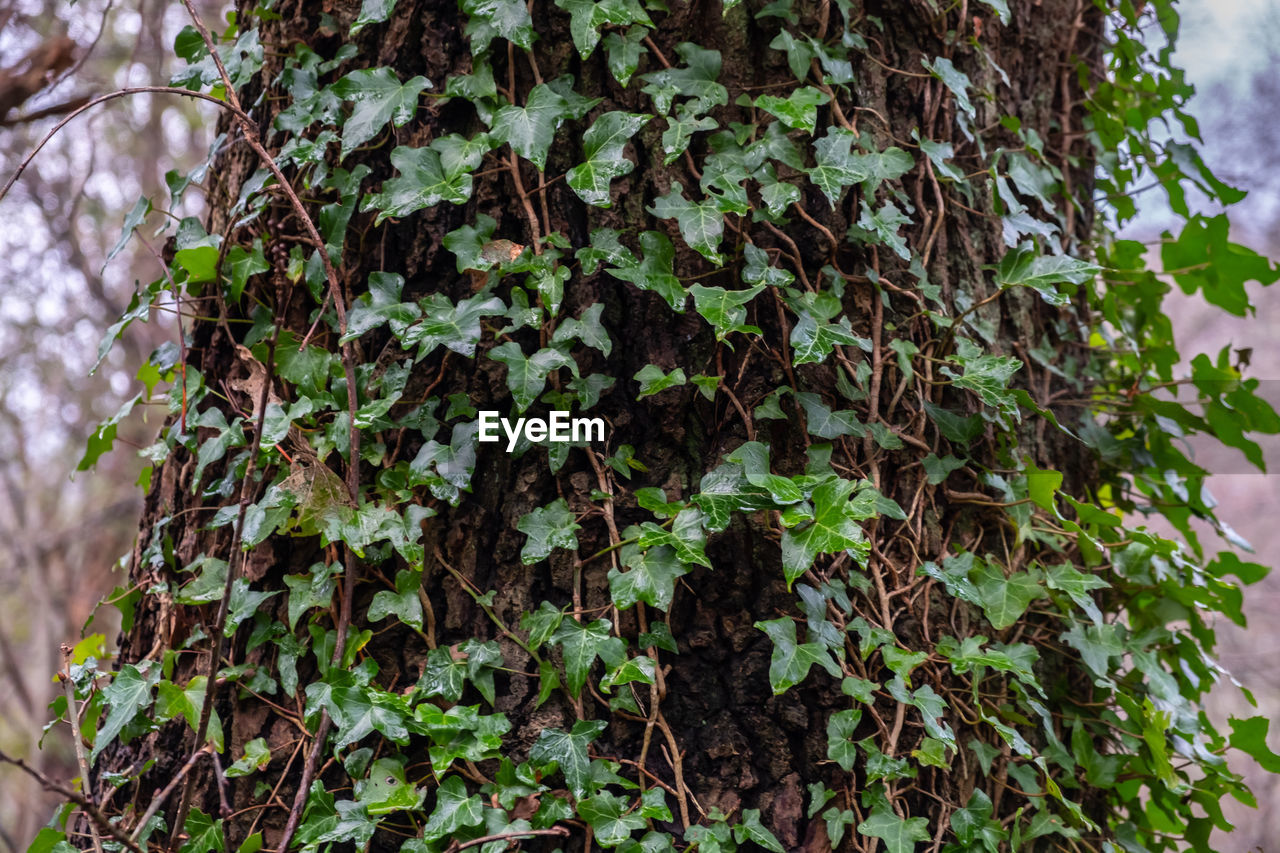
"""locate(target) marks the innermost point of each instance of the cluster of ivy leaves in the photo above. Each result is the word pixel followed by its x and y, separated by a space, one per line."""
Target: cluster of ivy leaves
pixel 1135 607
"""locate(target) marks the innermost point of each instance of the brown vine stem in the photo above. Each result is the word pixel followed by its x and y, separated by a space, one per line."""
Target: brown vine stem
pixel 158 800
pixel 73 717
pixel 249 131
pixel 76 797
pixel 528 833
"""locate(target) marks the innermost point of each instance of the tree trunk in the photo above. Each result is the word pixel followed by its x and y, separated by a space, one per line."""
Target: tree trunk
pixel 710 733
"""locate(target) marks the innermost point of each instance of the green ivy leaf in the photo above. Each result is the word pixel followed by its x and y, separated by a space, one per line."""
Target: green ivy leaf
pixel 204 834
pixel 623 51
pixel 701 223
pixel 379 98
pixel 899 835
pixel 456 327
pixel 798 111
pixel 127 694
pixel 490 19
pixel 603 144
pixel 607 814
pixel 650 577
pixel 428 176
pixel 830 531
pixel 548 528
pixel 256 757
pixel 385 790
pixel 1004 600
pixel 586 17
pixel 372 12
pixel 581 644
pixel 530 129
pixel 527 377
pixel 725 309
pixel 790 662
pixel 840 746
pixel 653 380
pixel 454 810
pixel 654 272
pixel 403 603
pixel 696 80
pixel 750 829
pixel 568 750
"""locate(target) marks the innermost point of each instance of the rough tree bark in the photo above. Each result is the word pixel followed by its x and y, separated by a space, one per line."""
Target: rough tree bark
pixel 740 747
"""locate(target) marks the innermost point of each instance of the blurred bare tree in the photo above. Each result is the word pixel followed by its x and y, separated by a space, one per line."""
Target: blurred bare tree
pixel 59 536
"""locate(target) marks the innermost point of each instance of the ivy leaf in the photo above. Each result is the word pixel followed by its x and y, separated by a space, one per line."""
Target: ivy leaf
pixel 1097 644
pixel 454 326
pixel 954 79
pixel 372 12
pixel 836 166
pixel 823 422
pixel 548 527
pixel 443 675
pixel 623 53
pixel 402 604
pixel 581 645
pixel 427 176
pixel 680 130
pixel 586 328
pixel 135 217
pixel 127 694
pixel 654 272
pixel 454 810
pixel 652 379
pixel 526 377
pixel 986 375
pixel 586 17
pixel 530 129
pixel 725 309
pixel 568 750
pixel 899 835
pixel 696 80
pixel 798 111
pixel 830 532
pixel 813 337
pixel 603 144
pixel 359 711
pixel 490 19
pixel 790 662
pixel 244 603
pixel 1024 267
pixel 938 468
pixel 1076 584
pixel 840 746
pixel 386 790
pixel 1004 600
pixel 204 834
pixel 256 757
pixel 608 816
pixel 650 577
pixel 1250 737
pixel 881 226
pixel 973 824
pixel 379 98
pixel 750 829
pixel 701 223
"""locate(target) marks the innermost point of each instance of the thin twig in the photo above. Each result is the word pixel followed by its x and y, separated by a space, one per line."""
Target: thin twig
pixel 111 96
pixel 528 833
pixel 158 800
pixel 79 799
pixel 73 717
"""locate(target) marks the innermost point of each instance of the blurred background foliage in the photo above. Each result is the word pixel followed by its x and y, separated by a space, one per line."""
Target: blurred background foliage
pixel 61 533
